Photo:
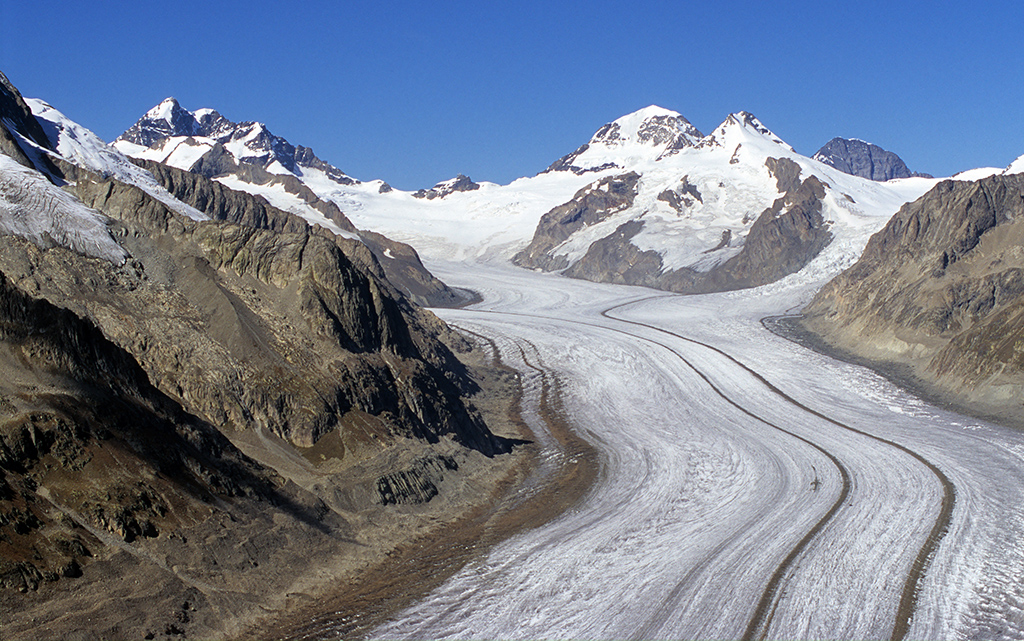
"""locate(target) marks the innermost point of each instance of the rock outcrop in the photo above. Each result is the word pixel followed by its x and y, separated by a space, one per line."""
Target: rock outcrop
pixel 19 122
pixel 447 187
pixel 400 263
pixel 589 206
pixel 941 289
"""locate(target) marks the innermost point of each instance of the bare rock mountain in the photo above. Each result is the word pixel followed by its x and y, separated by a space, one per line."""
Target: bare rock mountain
pixel 860 158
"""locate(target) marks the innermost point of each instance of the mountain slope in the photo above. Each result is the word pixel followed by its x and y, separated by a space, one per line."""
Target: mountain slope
pixel 146 343
pixel 941 289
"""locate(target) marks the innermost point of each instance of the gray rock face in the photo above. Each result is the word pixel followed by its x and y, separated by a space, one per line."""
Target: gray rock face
pixel 941 289
pixel 447 187
pixel 589 206
pixel 863 159
pixel 68 397
pixel 16 119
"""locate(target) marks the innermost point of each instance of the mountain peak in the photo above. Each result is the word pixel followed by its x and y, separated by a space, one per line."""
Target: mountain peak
pixel 653 126
pixel 646 133
pixel 165 110
pixel 741 125
pixel 864 159
pixel 248 142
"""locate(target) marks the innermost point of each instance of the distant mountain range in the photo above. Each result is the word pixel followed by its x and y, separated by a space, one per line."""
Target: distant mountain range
pixel 686 224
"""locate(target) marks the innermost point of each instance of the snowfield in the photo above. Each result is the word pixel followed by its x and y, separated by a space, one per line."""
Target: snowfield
pixel 748 486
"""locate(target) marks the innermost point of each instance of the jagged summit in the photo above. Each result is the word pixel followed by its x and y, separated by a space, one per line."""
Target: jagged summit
pixel 860 158
pixel 654 133
pixel 171 134
pixel 447 187
pixel 740 126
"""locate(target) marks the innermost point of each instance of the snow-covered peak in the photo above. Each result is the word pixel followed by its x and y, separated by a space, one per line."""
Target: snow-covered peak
pixel 164 129
pixel 652 126
pixel 164 111
pixel 639 137
pixel 740 127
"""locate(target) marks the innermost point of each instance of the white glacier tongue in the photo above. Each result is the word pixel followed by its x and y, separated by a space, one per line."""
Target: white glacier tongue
pixel 33 208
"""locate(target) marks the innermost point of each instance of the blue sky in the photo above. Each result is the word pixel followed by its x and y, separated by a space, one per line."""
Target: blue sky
pixel 416 92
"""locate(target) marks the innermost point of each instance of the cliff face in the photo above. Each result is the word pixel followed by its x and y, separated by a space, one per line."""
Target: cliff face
pixel 248 325
pixel 398 263
pixel 941 289
pixel 859 158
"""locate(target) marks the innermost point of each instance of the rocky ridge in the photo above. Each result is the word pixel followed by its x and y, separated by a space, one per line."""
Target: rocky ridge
pixel 249 142
pixel 447 187
pixel 941 290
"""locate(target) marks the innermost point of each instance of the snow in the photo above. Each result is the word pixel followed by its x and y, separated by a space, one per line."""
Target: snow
pixel 186 151
pixel 33 208
pixel 81 147
pixel 495 220
pixel 163 111
pixel 1016 167
pixel 977 174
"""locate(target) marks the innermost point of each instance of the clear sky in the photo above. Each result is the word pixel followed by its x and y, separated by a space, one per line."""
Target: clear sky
pixel 416 92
